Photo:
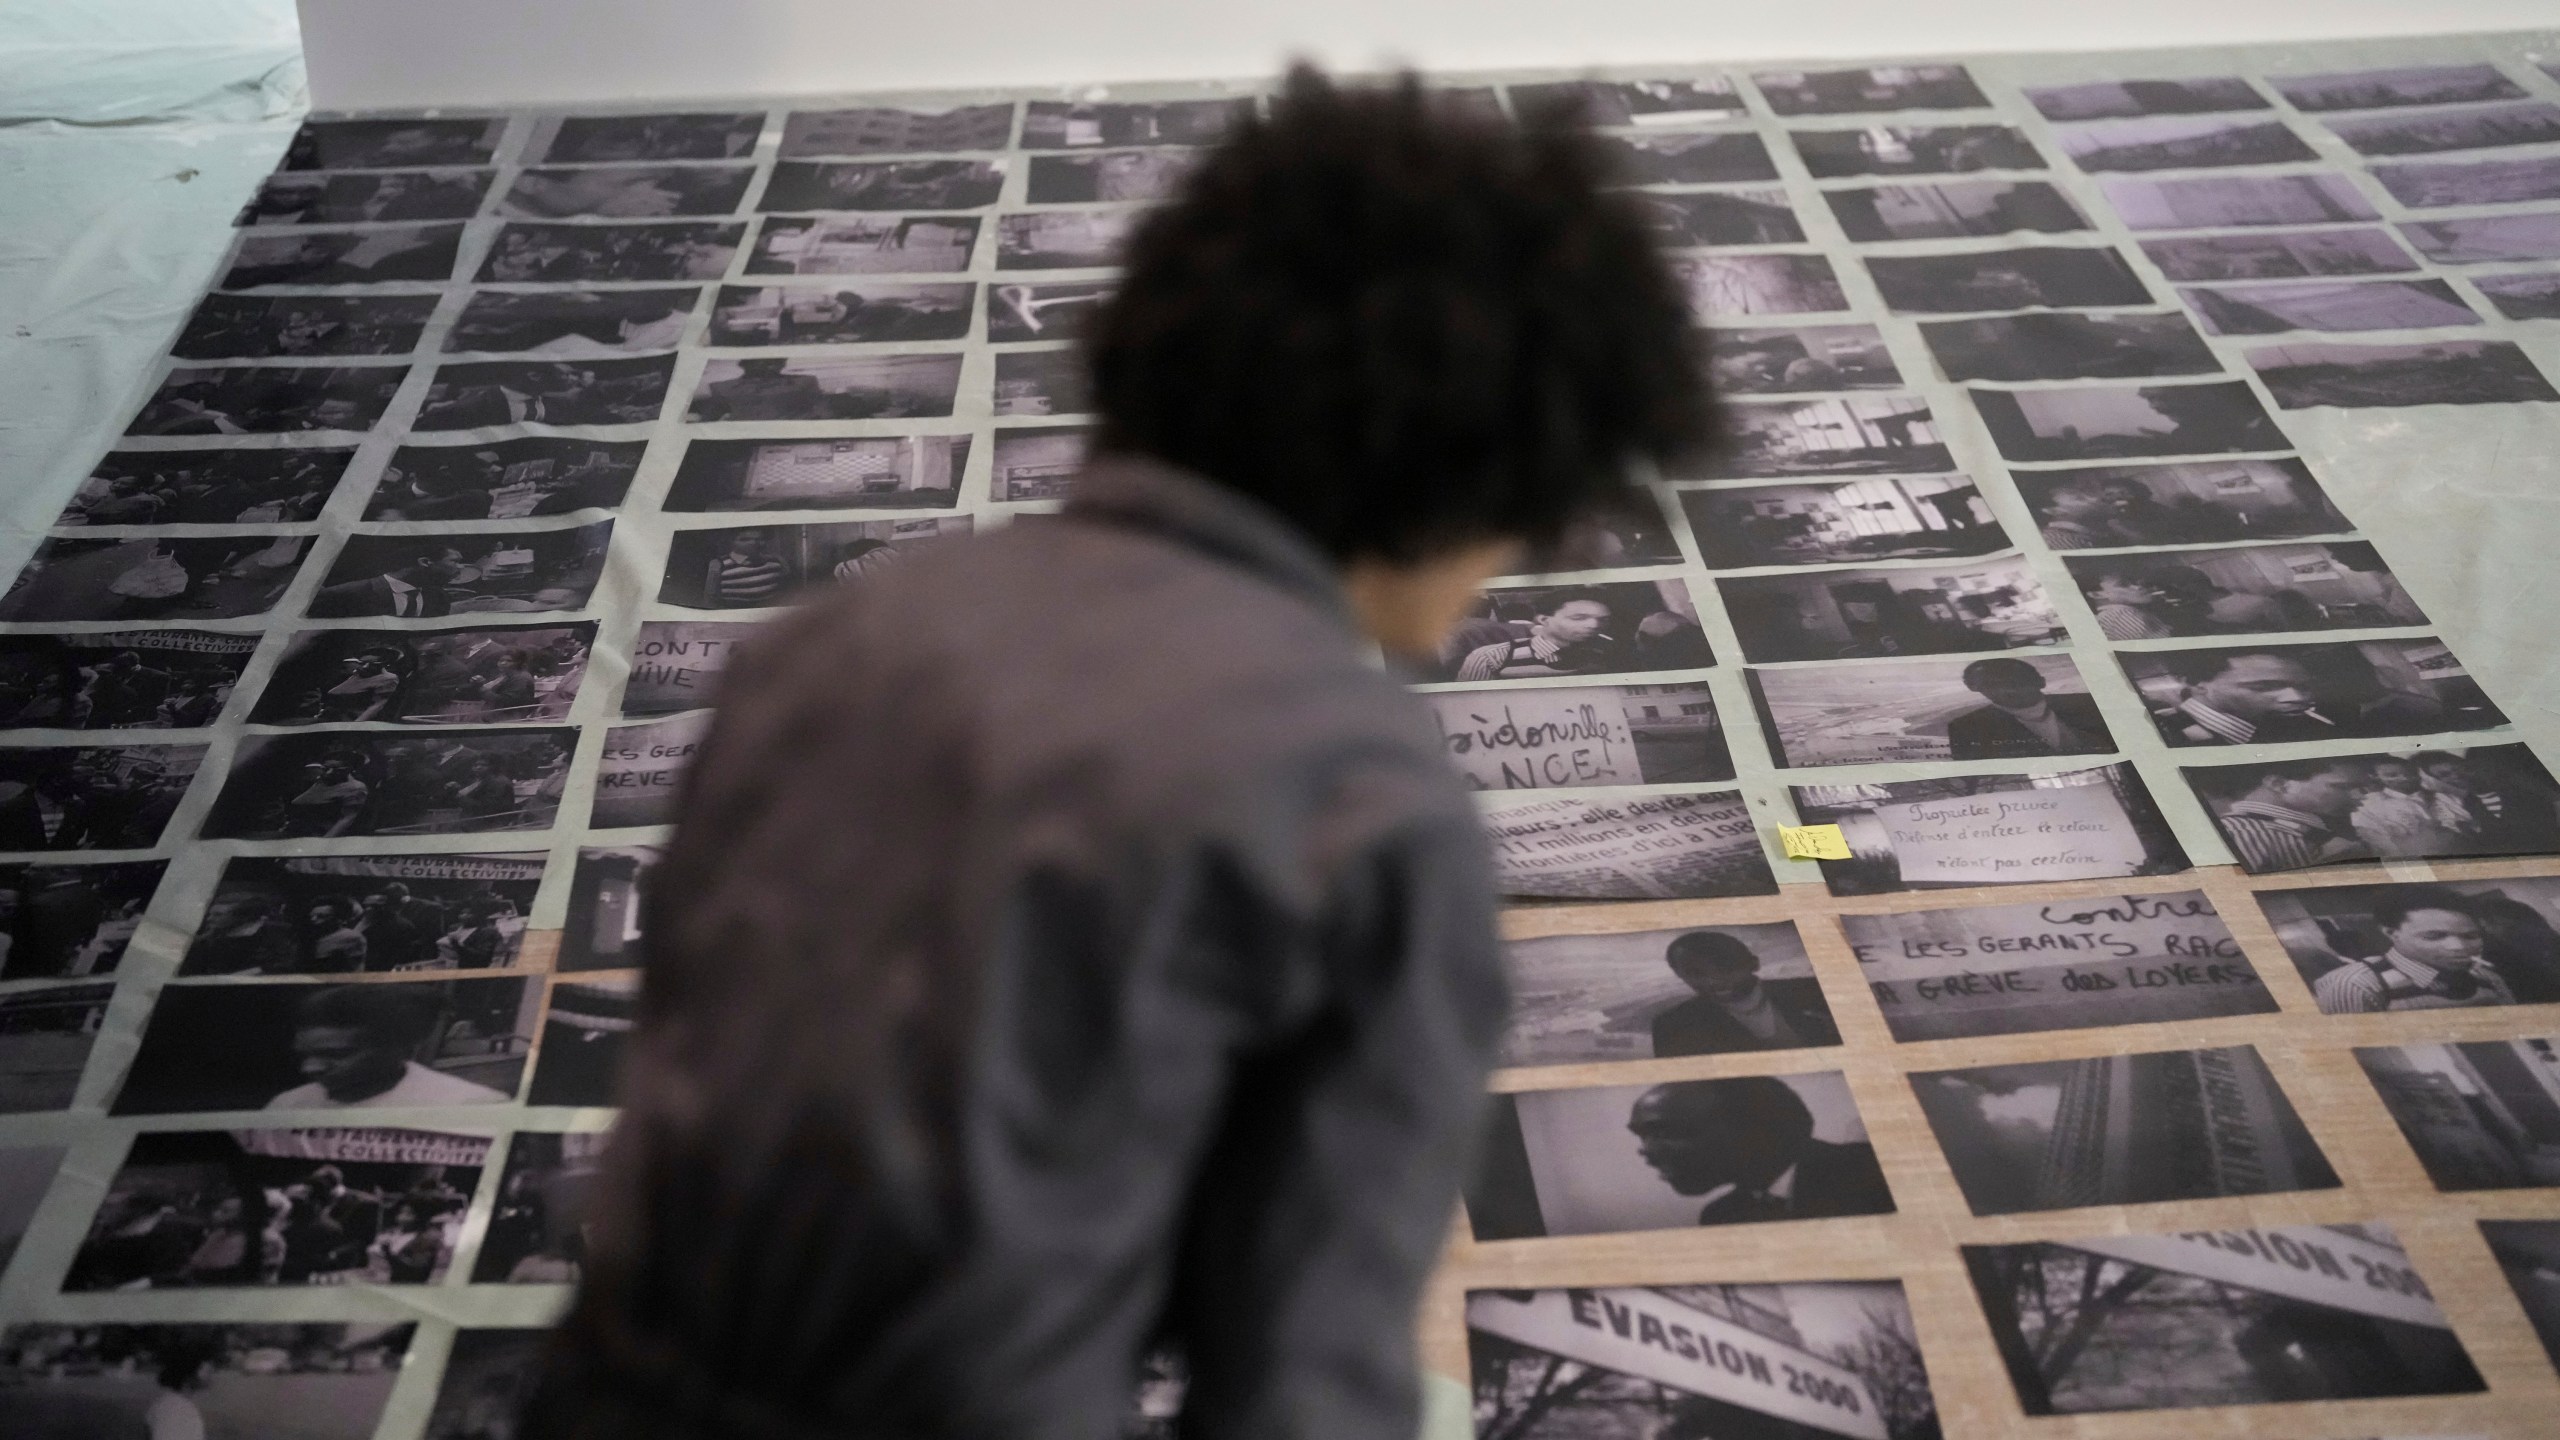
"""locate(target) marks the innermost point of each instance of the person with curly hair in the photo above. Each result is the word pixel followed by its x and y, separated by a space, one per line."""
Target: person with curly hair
pixel 1074 945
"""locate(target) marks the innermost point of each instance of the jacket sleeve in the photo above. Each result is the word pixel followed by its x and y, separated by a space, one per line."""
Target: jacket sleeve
pixel 1325 1198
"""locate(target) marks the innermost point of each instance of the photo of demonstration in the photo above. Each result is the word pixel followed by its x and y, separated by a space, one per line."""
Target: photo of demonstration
pixel 365 914
pixel 284 484
pixel 509 480
pixel 119 679
pixel 445 677
pixel 223 1381
pixel 323 784
pixel 81 577
pixel 71 921
pixel 477 572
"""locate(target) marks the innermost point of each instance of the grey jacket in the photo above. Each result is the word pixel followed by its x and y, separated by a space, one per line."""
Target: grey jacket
pixel 1154 943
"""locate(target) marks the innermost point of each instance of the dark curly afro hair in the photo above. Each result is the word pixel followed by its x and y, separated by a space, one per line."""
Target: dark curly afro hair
pixel 1404 326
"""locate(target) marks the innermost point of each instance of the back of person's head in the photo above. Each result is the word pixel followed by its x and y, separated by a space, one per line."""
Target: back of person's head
pixel 1403 325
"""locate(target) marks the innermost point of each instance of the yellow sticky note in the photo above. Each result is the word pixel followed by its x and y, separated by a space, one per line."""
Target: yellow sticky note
pixel 1813 842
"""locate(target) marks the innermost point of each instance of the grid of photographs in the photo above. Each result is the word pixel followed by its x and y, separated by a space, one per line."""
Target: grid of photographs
pixel 2007 571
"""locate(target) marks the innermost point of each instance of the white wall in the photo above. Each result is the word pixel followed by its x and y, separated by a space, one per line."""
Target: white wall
pixel 481 52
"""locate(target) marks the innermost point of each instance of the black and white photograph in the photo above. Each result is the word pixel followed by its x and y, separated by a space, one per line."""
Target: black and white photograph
pixel 518 479
pixel 268 399
pixel 528 252
pixel 1037 462
pixel 2077 964
pixel 1915 150
pixel 45 1035
pixel 2478 127
pixel 2183 142
pixel 327 784
pixel 2281 255
pixel 495 572
pixel 2195 502
pixel 222 1382
pixel 1687 157
pixel 2248 590
pixel 2001 707
pixel 1694 846
pixel 365 914
pixel 2407 85
pixel 91 797
pixel 676 664
pixel 1044 312
pixel 2383 805
pixel 361 1045
pixel 382 256
pixel 119 679
pixel 602 930
pixel 2063 345
pixel 1062 239
pixel 1517 632
pixel 1994 604
pixel 312 198
pixel 1636 535
pixel 2529 1252
pixel 2215 1317
pixel 1853 435
pixel 394 144
pixel 2422 946
pixel 264 485
pixel 2432 372
pixel 537 1230
pixel 640 768
pixel 1826 1358
pixel 488 1377
pixel 2430 184
pixel 1694 218
pixel 263 327
pixel 580 1060
pixel 2478 1114
pixel 1959 830
pixel 883 185
pixel 68 922
pixel 2482 239
pixel 2030 277
pixel 1041 382
pixel 2329 305
pixel 1110 175
pixel 2196 202
pixel 1873 90
pixel 2531 296
pixel 813 315
pixel 2120 1130
pixel 427 677
pixel 1659 994
pixel 819 387
pixel 868 472
pixel 1077 125
pixel 26 1173
pixel 627 139
pixel 889 130
pixel 2106 422
pixel 2278 694
pixel 1800 359
pixel 1639 103
pixel 84 578
pixel 1575 737
pixel 1620 1158
pixel 752 567
pixel 488 394
pixel 2115 99
pixel 1841 522
pixel 571 322
pixel 864 244
pixel 1955 208
pixel 1725 287
pixel 626 192
pixel 235 1209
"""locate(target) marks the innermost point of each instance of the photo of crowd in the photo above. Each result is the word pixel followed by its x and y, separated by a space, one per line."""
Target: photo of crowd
pixel 443 677
pixel 86 578
pixel 92 797
pixel 365 914
pixel 268 399
pixel 362 1045
pixel 2276 694
pixel 263 485
pixel 515 479
pixel 214 1209
pixel 258 327
pixel 62 922
pixel 325 784
pixel 119 679
pixel 2384 805
pixel 413 577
